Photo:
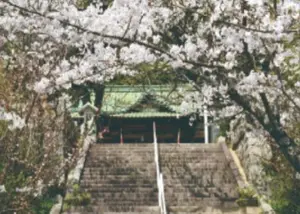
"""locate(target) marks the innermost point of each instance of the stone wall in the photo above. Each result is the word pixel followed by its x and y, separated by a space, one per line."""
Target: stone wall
pixel 252 148
pixel 74 175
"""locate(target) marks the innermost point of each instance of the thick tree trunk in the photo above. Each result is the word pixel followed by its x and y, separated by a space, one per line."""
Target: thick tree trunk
pixel 288 147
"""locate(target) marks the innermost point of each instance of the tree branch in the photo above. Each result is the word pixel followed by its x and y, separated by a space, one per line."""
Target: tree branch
pixel 268 110
pixel 253 29
pixel 236 97
pixel 119 38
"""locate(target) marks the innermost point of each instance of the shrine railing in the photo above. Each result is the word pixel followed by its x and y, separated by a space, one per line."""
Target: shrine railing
pixel 159 176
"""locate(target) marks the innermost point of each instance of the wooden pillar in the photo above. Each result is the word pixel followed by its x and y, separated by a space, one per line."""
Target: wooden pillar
pixel 178 136
pixel 121 136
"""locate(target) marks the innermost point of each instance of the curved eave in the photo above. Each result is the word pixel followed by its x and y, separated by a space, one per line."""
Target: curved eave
pixel 146 115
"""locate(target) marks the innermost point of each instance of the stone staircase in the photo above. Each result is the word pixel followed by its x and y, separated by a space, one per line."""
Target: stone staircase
pixel 198 179
pixel 121 178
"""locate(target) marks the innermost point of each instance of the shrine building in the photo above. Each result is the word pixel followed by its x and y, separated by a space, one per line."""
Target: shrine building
pixel 129 114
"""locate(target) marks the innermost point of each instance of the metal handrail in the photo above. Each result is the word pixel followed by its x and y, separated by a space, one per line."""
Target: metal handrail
pixel 159 176
pixel 163 200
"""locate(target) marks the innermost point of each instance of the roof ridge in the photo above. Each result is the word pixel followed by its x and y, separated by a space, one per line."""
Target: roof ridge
pixel 138 88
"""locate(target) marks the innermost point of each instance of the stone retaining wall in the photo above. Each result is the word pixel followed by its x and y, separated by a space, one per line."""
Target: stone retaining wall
pixel 252 148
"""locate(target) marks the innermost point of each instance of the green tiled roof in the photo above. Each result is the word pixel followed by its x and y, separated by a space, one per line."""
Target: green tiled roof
pixel 119 100
pixel 145 114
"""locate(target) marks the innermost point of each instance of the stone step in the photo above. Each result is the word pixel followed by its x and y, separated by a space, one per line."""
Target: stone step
pixel 137 167
pixel 187 154
pixel 100 175
pixel 151 200
pixel 121 177
pixel 150 147
pixel 200 151
pixel 189 157
pixel 180 177
pixel 192 162
pixel 145 197
pixel 201 203
pixel 133 168
pixel 125 164
pixel 102 153
pixel 123 145
pixel 100 179
pixel 128 204
pixel 100 212
pixel 118 158
pixel 94 178
pixel 147 153
pixel 185 148
pixel 180 151
pixel 167 146
pixel 186 199
pixel 189 145
pixel 120 189
pixel 193 166
pixel 154 209
pixel 130 195
pixel 169 183
pixel 207 184
pixel 121 149
pixel 99 186
pixel 130 172
pixel 225 208
pixel 96 182
pixel 99 153
pixel 162 154
pixel 135 190
pixel 200 191
pixel 142 212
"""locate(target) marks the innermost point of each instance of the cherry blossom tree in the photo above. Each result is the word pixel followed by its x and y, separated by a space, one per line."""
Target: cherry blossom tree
pixel 243 54
pixel 31 153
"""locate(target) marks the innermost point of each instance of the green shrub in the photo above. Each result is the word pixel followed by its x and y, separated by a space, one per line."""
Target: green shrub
pixel 224 127
pixel 76 198
pixel 248 197
pixel 285 188
pixel 44 203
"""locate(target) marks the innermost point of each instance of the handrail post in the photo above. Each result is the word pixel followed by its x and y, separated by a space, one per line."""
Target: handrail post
pixel 156 162
pixel 206 138
pixel 159 176
pixel 163 194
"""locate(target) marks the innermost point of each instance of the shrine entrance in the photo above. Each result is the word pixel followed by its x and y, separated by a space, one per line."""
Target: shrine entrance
pixel 127 114
pixel 140 130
